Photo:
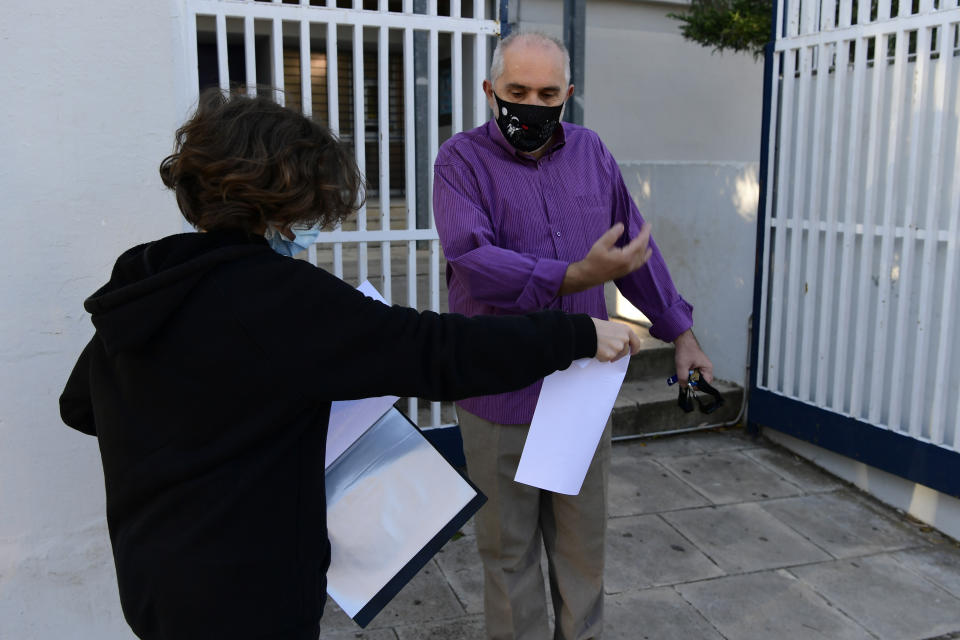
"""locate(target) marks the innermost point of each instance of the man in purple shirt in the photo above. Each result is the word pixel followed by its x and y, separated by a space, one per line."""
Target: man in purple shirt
pixel 534 214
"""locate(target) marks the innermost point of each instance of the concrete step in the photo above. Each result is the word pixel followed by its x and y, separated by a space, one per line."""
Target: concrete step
pixel 655 357
pixel 648 405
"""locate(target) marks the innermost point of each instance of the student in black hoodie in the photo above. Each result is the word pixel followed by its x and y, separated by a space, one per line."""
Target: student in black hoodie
pixel 209 378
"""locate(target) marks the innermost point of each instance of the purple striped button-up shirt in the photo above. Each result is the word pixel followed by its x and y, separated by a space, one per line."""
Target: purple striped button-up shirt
pixel 510 225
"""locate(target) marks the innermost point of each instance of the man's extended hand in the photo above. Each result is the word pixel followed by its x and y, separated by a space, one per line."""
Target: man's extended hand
pixel 688 355
pixel 606 261
pixel 614 340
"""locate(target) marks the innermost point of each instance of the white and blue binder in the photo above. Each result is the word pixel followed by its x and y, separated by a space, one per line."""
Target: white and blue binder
pixel 392 502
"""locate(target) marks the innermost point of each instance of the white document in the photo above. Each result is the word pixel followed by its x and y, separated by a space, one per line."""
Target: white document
pixel 349 419
pixel 571 413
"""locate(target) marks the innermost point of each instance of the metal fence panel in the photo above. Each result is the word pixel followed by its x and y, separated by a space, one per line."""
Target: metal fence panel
pixel 860 278
pixel 354 67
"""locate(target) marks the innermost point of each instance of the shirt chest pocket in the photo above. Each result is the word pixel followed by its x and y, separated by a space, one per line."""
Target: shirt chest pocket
pixel 595 205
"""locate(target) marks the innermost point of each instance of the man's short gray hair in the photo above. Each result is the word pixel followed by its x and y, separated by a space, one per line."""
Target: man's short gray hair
pixel 496 66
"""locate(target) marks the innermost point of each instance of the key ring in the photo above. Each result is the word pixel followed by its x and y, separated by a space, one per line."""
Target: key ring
pixel 689 393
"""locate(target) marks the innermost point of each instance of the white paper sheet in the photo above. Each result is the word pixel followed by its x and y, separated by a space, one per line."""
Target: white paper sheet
pixel 571 413
pixel 349 419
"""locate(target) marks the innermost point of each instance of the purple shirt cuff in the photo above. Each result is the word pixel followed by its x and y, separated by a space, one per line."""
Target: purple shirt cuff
pixel 673 321
pixel 543 287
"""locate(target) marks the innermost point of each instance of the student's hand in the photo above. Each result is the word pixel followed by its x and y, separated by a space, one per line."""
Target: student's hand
pixel 606 261
pixel 614 340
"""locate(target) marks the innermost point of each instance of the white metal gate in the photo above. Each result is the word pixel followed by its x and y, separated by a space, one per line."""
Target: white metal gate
pixel 299 43
pixel 860 270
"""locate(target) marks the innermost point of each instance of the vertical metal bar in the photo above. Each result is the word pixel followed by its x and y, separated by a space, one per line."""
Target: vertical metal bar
pixel 223 68
pixel 456 76
pixel 250 55
pixel 883 13
pixel 808 16
pixel 811 292
pixel 795 222
pixel 767 183
pixel 306 69
pixel 846 11
pixel 881 312
pixel 827 310
pixel 359 139
pixel 793 19
pixel 918 107
pixel 858 388
pixel 479 11
pixel 433 144
pixel 455 11
pixel 333 116
pixel 854 150
pixel 574 36
pixel 779 264
pixel 383 116
pixel 480 72
pixel 931 225
pixel 777 28
pixel 828 17
pixel 942 371
pixel 410 168
pixel 277 49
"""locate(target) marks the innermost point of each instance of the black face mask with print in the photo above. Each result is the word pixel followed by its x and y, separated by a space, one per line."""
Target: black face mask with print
pixel 527 127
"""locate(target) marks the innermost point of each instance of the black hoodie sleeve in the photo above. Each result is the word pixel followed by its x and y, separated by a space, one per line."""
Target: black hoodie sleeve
pixel 350 346
pixel 76 409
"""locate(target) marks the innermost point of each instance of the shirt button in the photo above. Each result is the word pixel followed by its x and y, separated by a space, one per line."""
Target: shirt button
pixel 558 234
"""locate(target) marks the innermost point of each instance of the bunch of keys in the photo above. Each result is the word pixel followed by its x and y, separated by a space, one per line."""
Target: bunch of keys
pixel 688 394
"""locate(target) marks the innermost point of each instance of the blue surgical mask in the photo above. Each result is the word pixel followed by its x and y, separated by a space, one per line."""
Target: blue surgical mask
pixel 303 238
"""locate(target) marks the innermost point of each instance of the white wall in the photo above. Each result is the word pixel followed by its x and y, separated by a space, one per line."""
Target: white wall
pixel 684 124
pixel 88 113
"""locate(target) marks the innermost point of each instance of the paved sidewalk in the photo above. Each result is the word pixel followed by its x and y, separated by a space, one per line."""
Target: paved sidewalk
pixel 715 536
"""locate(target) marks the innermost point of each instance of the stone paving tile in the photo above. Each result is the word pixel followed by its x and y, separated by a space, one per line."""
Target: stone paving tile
pixel 460 563
pixel 461 629
pixel 742 538
pixel 663 447
pixel 359 634
pixel 770 604
pixel 426 598
pixel 730 476
pixel 645 551
pixel 643 486
pixel 842 524
pixel 654 614
pixel 804 474
pixel 892 603
pixel 940 565
pixel 727 439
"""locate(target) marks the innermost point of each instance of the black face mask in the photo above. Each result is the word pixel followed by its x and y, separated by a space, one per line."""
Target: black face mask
pixel 527 127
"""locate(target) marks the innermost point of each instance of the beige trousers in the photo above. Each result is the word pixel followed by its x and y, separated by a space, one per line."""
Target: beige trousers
pixel 510 527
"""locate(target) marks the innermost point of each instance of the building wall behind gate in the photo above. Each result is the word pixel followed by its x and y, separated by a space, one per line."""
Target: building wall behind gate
pixel 88 114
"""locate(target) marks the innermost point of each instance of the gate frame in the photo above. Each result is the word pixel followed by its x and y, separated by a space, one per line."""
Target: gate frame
pixel 915 460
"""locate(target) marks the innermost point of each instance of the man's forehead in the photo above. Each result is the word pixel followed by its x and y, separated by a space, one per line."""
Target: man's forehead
pixel 533 65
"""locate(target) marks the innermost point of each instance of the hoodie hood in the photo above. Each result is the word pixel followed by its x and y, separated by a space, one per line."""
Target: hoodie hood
pixel 150 281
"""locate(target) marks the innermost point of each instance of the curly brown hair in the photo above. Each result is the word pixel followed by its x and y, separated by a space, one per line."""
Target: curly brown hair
pixel 242 162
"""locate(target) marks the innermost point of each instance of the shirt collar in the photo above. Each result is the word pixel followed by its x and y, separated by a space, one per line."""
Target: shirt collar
pixel 496 135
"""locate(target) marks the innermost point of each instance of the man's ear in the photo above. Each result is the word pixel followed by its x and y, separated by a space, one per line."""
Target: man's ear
pixel 491 100
pixel 569 92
